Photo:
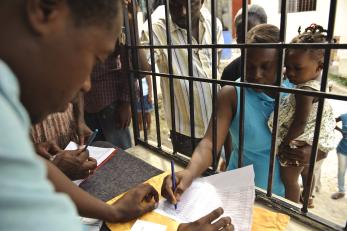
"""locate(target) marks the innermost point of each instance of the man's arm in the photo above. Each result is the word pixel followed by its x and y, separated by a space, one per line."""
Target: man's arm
pixel 133 204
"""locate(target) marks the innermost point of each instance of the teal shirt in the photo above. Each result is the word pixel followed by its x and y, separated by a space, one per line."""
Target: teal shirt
pixel 27 199
pixel 257 138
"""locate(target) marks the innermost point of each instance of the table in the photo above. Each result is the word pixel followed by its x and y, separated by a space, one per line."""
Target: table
pixel 136 165
pixel 163 164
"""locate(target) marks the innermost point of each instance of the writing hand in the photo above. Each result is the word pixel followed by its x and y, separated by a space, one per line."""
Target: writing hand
pixel 183 180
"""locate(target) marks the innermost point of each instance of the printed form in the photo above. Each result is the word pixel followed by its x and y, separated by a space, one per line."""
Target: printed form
pixel 234 191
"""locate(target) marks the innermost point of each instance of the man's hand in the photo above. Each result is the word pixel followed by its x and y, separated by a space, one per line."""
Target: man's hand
pixel 136 202
pixel 183 180
pixel 47 149
pixel 75 164
pixel 124 116
pixel 205 223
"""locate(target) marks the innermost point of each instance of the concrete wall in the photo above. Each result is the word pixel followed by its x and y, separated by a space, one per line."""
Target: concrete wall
pixel 304 19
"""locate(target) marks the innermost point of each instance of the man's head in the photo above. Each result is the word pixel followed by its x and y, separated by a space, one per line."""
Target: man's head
pixel 52 46
pixel 256 15
pixel 179 11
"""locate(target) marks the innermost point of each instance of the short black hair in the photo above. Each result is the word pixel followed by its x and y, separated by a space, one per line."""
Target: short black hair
pixel 256 15
pixel 94 11
pixel 255 12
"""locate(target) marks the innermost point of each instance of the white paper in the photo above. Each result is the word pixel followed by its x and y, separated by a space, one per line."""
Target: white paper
pixel 200 199
pixel 234 191
pixel 147 226
pixel 237 192
pixel 91 224
pixel 100 154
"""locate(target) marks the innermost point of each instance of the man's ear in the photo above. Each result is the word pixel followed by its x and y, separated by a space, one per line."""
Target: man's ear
pixel 41 14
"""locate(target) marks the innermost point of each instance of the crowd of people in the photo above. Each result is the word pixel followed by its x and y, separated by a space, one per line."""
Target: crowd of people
pixel 77 81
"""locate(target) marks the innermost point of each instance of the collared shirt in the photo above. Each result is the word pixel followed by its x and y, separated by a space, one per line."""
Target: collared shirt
pixel 109 83
pixel 61 128
pixel 202 68
pixel 28 200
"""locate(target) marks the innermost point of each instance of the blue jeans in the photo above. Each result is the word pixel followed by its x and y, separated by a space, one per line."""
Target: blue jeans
pixel 342 166
pixel 106 122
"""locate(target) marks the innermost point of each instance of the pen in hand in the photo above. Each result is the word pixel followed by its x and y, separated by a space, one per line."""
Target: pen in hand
pixel 91 139
pixel 173 179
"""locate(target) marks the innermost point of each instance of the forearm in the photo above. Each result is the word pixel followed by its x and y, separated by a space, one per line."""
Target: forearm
pixel 294 131
pixel 87 205
pixel 202 156
pixel 201 159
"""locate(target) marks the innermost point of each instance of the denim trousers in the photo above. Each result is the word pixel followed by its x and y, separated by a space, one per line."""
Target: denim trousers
pixel 105 122
pixel 342 165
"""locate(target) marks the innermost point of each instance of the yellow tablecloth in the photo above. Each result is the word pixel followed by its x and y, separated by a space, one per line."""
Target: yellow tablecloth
pixel 263 219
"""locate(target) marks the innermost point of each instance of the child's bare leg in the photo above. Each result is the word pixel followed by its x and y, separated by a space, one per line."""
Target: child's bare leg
pixel 139 118
pixel 148 121
pixel 290 176
pixel 304 177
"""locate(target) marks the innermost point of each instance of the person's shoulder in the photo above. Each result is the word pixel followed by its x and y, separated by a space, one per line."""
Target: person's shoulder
pixel 11 107
pixel 228 96
pixel 228 93
pixel 310 85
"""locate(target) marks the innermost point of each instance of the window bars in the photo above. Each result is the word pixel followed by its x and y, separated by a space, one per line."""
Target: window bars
pixel 135 73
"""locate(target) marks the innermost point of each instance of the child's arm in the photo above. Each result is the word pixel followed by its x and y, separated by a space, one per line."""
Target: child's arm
pixel 302 112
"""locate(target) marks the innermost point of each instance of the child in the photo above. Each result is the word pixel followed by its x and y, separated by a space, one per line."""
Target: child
pixel 342 158
pixel 297 115
pixel 147 104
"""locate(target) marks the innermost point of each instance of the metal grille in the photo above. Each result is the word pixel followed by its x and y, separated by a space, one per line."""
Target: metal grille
pixel 301 214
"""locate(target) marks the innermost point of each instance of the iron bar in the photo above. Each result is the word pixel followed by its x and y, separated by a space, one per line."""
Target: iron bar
pixel 331 24
pixel 280 64
pixel 191 73
pixel 154 77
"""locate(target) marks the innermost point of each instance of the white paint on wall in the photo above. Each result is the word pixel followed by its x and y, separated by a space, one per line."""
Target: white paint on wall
pixel 304 19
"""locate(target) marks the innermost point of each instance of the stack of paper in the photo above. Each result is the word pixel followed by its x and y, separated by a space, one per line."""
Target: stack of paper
pixel 147 226
pixel 100 154
pixel 91 224
pixel 234 191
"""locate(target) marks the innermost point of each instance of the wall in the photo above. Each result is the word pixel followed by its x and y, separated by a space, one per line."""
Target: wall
pixel 304 19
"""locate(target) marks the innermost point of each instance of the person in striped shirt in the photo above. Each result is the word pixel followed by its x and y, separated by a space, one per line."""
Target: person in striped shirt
pixel 202 67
